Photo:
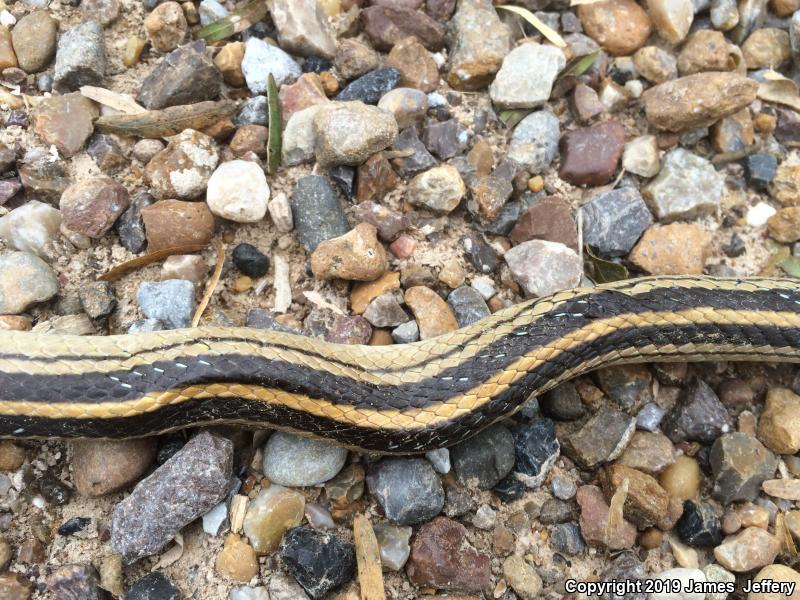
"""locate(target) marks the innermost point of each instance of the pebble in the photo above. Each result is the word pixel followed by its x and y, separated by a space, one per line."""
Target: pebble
pixel 536 449
pixel 621 27
pixel 237 190
pixel 406 104
pixel 543 268
pixel 280 211
pixel 175 223
pixel 91 206
pixel 675 249
pixel 416 65
pixel 534 143
pixel 767 48
pixel 440 459
pixel 262 59
pixel 394 545
pixel 184 76
pixel 253 112
pixel 590 155
pixel 229 62
pixel 697 100
pixel 408 490
pixel 237 560
pixel 298 137
pixel 522 578
pixel 655 64
pixel 419 161
pixel 153 586
pixel 566 538
pixel 74 581
pixel 562 403
pixel 705 50
pixel 752 548
pixel 273 512
pixel 210 11
pixel 406 333
pixel 439 189
pixel 320 562
pixel 614 221
pixel 371 87
pixel 171 302
pixel 188 485
pixel 586 103
pixel 387 25
pixel 25 279
pixel 485 459
pixel 250 593
pixel 101 467
pixel 740 464
pixel 468 305
pixel 717 574
pixel 166 26
pixel 385 311
pixel 250 260
pixel 284 587
pixel 446 139
pixel 650 452
pixel 182 170
pixel 30 227
pixel 526 77
pixel 784 225
pixel 682 580
pixel 646 503
pixel 302 28
pixel 760 170
pixel 65 121
pixel 488 195
pixel 348 133
pixel 364 293
pixel 433 315
pixel 603 438
pixel 81 56
pixel 306 92
pixel 443 558
pixel 786 489
pixel 34 39
pixel 375 178
pixel 698 525
pixel 354 58
pixel 698 415
pixel 11 456
pixel 779 425
pixel 294 461
pixel 779 574
pixel 594 521
pixel 356 255
pixel 672 18
pixel 682 478
pixel 106 153
pixel 641 156
pixel 346 487
pixel 480 43
pixel 687 187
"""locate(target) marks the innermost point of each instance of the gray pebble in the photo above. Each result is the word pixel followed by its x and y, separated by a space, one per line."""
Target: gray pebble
pixel 408 490
pixel 534 143
pixel 407 333
pixel 614 221
pixel 146 326
pixel 440 459
pixel 81 56
pixel 468 305
pixel 649 417
pixel 317 212
pixel 566 538
pixel 485 458
pixel 171 301
pixel 253 112
pixel 295 461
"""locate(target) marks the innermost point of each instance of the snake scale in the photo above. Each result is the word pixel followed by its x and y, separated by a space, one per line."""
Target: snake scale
pixel 392 399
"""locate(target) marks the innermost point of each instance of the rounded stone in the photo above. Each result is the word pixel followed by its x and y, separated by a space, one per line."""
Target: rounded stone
pixel 250 260
pixel 356 255
pixel 347 133
pixel 406 104
pixel 621 27
pixel 440 189
pixel 34 39
pixel 238 191
pixel 295 461
pixel 166 26
pixel 100 467
pixel 25 279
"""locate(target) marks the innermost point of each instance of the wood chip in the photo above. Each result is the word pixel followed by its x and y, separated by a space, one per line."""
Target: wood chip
pixel 168 121
pixel 281 284
pixel 368 559
pixel 615 512
pixel 238 510
pixel 120 102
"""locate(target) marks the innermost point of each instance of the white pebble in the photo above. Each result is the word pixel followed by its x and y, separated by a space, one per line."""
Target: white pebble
pixel 238 191
pixel 757 215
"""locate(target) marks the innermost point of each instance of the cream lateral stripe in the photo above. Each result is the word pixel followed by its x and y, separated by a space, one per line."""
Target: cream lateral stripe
pixel 122 348
pixel 453 407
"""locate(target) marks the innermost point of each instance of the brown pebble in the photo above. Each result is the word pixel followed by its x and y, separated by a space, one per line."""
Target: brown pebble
pixel 547 219
pixel 682 478
pixel 356 255
pixel 621 27
pixel 590 155
pixel 416 65
pixel 229 61
pixel 675 249
pixel 364 293
pixel 12 455
pixel 784 225
pixel 14 586
pixel 381 337
pixel 166 26
pixel 433 314
pixel 100 467
pixel 502 540
pixel 92 206
pixel 249 138
pixel 375 178
pixel 238 560
pixel 646 504
pixel 15 323
pixel 31 551
pixel 172 223
pixel 731 523
pixel 368 559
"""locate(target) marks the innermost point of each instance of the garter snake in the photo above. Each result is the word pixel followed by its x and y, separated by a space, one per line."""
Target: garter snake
pixel 392 399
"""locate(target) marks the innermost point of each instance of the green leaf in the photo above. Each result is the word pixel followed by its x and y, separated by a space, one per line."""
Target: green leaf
pixel 605 271
pixel 579 65
pixel 237 21
pixel 275 124
pixel 791 266
pixel 510 118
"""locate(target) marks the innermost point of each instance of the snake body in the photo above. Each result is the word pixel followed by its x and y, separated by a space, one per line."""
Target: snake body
pixel 391 399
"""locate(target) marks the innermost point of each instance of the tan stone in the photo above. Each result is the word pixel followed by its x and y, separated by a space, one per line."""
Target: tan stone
pixel 682 478
pixel 621 27
pixel 654 64
pixel 364 293
pixel 237 560
pixel 705 50
pixel 778 574
pixel 697 100
pixel 416 65
pixel 14 586
pixel 65 121
pixel 784 225
pixel 356 255
pixel 11 455
pixel 648 451
pixel 785 187
pixel 646 503
pixel 7 56
pixel 15 323
pixel 675 249
pixel 767 48
pixel 101 467
pixel 166 26
pixel 749 549
pixel 176 223
pixel 433 315
pixel 733 133
pixel 784 8
pixel 273 512
pixel 779 426
pixel 229 62
pixel 672 18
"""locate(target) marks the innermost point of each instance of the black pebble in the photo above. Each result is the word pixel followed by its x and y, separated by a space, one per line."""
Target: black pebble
pixel 74 525
pixel 153 586
pixel 318 561
pixel 316 64
pixel 698 525
pixel 250 260
pixel 509 489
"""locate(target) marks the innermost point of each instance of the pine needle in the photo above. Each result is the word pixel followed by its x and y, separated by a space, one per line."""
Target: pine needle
pixel 212 284
pixel 538 24
pixel 142 261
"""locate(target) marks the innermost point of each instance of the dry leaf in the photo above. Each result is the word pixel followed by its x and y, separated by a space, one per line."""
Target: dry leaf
pixel 142 261
pixel 212 284
pixel 777 88
pixel 582 2
pixel 121 102
pixel 172 555
pixel 616 518
pixel 544 29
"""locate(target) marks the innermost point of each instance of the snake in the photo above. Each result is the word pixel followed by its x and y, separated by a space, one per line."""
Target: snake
pixel 394 399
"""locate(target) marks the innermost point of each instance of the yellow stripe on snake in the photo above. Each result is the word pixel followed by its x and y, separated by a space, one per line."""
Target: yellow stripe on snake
pixel 393 399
